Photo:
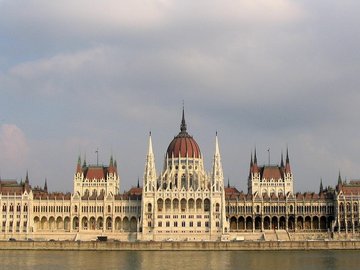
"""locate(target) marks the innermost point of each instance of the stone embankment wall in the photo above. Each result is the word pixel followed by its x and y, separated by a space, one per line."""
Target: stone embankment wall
pixel 175 246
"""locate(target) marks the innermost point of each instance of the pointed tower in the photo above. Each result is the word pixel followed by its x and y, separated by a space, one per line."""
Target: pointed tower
pixel 287 164
pixel 282 160
pixel 217 171
pixel 340 182
pixel 78 166
pixel 112 168
pixel 321 189
pixel 148 198
pixel 255 165
pixel 27 178
pixel 149 181
pixel 45 186
pixel 218 191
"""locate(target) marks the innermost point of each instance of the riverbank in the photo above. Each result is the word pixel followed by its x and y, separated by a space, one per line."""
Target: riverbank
pixel 179 246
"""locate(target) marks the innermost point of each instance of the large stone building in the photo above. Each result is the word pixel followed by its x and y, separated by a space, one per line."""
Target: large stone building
pixel 183 202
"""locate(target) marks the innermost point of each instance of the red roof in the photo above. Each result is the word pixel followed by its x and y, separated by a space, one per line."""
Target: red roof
pixel 185 146
pixel 271 172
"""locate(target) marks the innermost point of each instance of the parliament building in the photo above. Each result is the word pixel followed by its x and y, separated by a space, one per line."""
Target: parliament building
pixel 183 203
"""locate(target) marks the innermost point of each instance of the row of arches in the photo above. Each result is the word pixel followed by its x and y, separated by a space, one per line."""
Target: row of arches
pixel 184 205
pixel 280 222
pixel 126 224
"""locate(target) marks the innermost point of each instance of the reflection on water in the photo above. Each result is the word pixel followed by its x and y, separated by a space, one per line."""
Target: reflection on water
pixel 179 260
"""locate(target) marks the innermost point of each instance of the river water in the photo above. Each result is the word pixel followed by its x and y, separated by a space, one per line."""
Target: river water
pixel 179 260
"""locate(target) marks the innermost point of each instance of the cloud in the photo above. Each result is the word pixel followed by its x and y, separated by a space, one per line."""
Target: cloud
pixel 13 144
pixel 102 74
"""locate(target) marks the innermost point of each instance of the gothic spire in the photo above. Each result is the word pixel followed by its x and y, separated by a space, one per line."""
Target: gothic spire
pixel 149 183
pixel 339 179
pixel 287 156
pixel 45 186
pixel 217 171
pixel 27 178
pixel 183 123
pixel 282 160
pixel 287 162
pixel 111 161
pixel 255 157
pixel 321 186
pixel 78 167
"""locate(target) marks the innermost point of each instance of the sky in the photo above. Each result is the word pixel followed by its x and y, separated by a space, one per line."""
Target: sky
pixel 77 76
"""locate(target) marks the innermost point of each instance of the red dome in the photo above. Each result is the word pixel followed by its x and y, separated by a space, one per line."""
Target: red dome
pixel 183 144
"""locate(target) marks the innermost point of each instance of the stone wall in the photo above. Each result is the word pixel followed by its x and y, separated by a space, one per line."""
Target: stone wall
pixel 174 246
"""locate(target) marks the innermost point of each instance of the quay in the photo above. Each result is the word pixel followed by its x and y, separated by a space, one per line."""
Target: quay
pixel 181 246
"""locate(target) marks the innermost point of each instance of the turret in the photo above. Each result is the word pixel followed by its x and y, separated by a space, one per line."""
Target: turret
pixel 78 166
pixel 340 183
pixel 287 164
pixel 45 186
pixel 321 189
pixel 149 182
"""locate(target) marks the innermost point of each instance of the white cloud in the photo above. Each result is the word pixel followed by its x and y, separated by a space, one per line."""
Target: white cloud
pixel 13 145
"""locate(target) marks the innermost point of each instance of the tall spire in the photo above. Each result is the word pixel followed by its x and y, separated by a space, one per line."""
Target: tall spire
pixel 339 179
pixel 183 123
pixel 287 162
pixel 149 182
pixel 255 158
pixel 321 186
pixel 287 155
pixel 27 178
pixel 45 186
pixel 282 160
pixel 217 171
pixel 78 167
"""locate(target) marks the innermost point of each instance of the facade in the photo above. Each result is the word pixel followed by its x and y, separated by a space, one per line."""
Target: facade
pixel 183 203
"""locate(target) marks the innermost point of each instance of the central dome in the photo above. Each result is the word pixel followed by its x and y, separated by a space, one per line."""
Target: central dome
pixel 183 145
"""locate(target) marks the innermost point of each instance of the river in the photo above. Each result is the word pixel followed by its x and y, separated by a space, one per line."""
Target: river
pixel 179 260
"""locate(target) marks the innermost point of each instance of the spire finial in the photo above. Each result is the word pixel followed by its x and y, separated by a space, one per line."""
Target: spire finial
pixel 339 179
pixel 287 155
pixel 27 177
pixel 321 186
pixel 183 123
pixel 255 157
pixel 282 160
pixel 138 183
pixel 150 149
pixel 45 186
pixel 228 182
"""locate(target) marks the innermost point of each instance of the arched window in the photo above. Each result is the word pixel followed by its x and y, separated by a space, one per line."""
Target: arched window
pixel 75 209
pixel 160 204
pixel 348 208
pixel 217 207
pixel 206 205
pixel 149 207
pixel 183 181
pixel 341 207
pixel 109 209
